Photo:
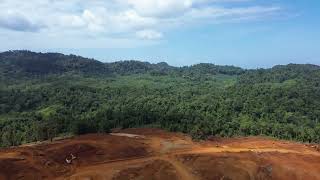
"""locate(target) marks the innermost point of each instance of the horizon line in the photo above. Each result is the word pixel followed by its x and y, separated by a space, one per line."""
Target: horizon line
pixel 158 62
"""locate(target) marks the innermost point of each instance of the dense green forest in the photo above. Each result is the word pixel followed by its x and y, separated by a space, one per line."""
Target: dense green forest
pixel 44 95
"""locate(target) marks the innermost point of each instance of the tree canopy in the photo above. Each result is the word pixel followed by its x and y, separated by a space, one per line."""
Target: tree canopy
pixel 43 95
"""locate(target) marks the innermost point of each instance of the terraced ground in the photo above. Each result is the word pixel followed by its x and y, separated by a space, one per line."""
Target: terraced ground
pixel 154 154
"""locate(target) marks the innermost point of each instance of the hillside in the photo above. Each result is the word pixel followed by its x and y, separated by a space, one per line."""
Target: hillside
pixel 44 95
pixel 40 64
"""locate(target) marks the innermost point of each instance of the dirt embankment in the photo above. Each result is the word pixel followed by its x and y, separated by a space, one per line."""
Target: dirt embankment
pixel 155 154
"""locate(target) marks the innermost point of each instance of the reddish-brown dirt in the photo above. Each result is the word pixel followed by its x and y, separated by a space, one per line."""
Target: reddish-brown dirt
pixel 153 154
pixel 157 169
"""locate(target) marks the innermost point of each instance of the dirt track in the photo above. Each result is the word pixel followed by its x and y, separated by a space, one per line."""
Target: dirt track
pixel 155 154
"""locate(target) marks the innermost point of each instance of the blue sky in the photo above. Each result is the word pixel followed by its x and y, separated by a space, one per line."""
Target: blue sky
pixel 246 33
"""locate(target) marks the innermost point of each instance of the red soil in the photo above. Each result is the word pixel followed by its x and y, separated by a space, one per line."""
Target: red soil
pixel 156 154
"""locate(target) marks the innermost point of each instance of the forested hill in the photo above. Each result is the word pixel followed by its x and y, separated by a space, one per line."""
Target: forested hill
pixel 43 95
pixel 31 63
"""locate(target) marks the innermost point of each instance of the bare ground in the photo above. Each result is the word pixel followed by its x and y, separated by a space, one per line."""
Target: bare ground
pixel 153 154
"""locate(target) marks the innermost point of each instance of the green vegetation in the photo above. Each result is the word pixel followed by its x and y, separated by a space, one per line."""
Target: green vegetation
pixel 45 95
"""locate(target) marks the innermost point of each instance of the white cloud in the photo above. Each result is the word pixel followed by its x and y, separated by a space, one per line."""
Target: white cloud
pixel 122 19
pixel 149 34
pixel 214 13
pixel 160 8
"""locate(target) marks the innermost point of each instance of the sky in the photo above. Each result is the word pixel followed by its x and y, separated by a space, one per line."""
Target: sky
pixel 245 33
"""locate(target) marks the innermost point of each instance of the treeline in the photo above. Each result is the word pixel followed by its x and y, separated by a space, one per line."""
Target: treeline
pixel 31 64
pixel 201 100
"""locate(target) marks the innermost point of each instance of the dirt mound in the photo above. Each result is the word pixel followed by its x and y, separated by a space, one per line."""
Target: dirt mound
pixel 83 153
pixel 90 149
pixel 49 160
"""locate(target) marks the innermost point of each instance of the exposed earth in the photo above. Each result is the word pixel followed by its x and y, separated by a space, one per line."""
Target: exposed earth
pixel 153 154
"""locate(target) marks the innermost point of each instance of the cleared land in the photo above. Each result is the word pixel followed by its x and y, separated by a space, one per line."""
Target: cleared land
pixel 153 154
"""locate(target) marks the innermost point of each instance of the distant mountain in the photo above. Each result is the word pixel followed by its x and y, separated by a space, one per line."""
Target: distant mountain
pixel 207 68
pixel 51 63
pixel 15 64
pixel 281 73
pixel 137 67
pixel 31 63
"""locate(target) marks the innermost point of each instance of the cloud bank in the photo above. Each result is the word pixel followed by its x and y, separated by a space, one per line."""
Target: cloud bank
pixel 78 21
